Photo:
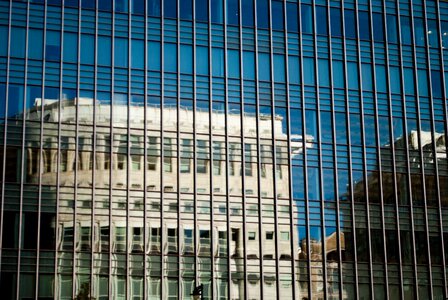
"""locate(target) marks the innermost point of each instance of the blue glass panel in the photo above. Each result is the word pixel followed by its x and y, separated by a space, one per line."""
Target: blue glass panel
pixel 321 17
pixel 422 82
pixel 170 8
pixel 264 67
pixel 154 8
pixel 292 17
pixel 324 72
pixel 202 60
pixel 121 6
pixel 444 28
pixel 17 42
pixel 53 45
pixel 87 49
pixel 154 56
pixel 419 32
pixel 378 30
pixel 104 50
pixel 138 7
pixel 3 37
pixel 338 74
pixel 2 100
pixel 307 18
pixel 186 59
pixel 279 68
pixel 247 7
pixel 170 57
pixel 248 65
pixel 436 82
pixel 217 11
pixel 88 4
pixel 15 100
pixel 294 69
pixel 105 5
pixel 352 73
pixel 350 24
pixel 71 3
pixel 218 62
pixel 336 22
pixel 121 52
pixel 311 123
pixel 406 37
pixel 233 60
pixel 381 79
pixel 138 54
pixel 32 93
pixel 186 9
pixel 232 12
pixel 409 84
pixel 262 14
pixel 201 7
pixel 309 76
pixel 364 25
pixel 433 33
pixel 277 15
pixel 395 80
pixel 35 38
pixel 392 31
pixel 367 77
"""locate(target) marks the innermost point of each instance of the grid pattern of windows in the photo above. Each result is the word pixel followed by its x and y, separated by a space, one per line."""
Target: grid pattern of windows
pixel 262 148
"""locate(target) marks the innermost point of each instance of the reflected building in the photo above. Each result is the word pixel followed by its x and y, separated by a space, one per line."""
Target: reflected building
pixel 260 148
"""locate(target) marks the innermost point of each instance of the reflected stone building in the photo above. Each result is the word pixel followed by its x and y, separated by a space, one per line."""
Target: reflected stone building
pixel 261 149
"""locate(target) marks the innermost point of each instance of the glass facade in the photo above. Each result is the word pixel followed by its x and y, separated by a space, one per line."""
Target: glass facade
pixel 265 149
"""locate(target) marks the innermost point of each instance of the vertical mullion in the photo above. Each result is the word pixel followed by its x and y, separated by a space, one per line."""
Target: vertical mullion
pixel 422 168
pixel 258 131
pixel 394 162
pixel 364 152
pixel 292 228
pixel 408 167
pixel 305 160
pixel 378 148
pixel 335 157
pixel 319 146
pixel 145 153
pixel 349 152
pixel 444 96
pixel 128 156
pixel 178 154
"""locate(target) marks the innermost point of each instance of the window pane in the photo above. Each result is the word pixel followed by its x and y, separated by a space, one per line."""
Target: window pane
pixel 70 47
pixel 170 8
pixel 364 25
pixel 232 12
pixel 406 37
pixel 87 49
pixel 307 19
pixel 17 48
pixel 248 65
pixel 279 68
pixel 277 15
pixel 121 6
pixel 233 57
pixel 336 22
pixel 218 62
pixel 292 17
pixel 138 7
pixel 321 17
pixel 350 24
pixel 138 54
pixel 264 67
pixel 202 60
pixel 154 56
pixel 170 57
pixel 105 5
pixel 121 52
pixel 217 11
pixel 378 31
pixel 201 10
pixel 247 12
pixel 392 32
pixel 186 59
pixel 308 68
pixel 35 38
pixel 104 50
pixel 294 69
pixel 262 14
pixel 154 8
pixel 186 9
pixel 3 37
